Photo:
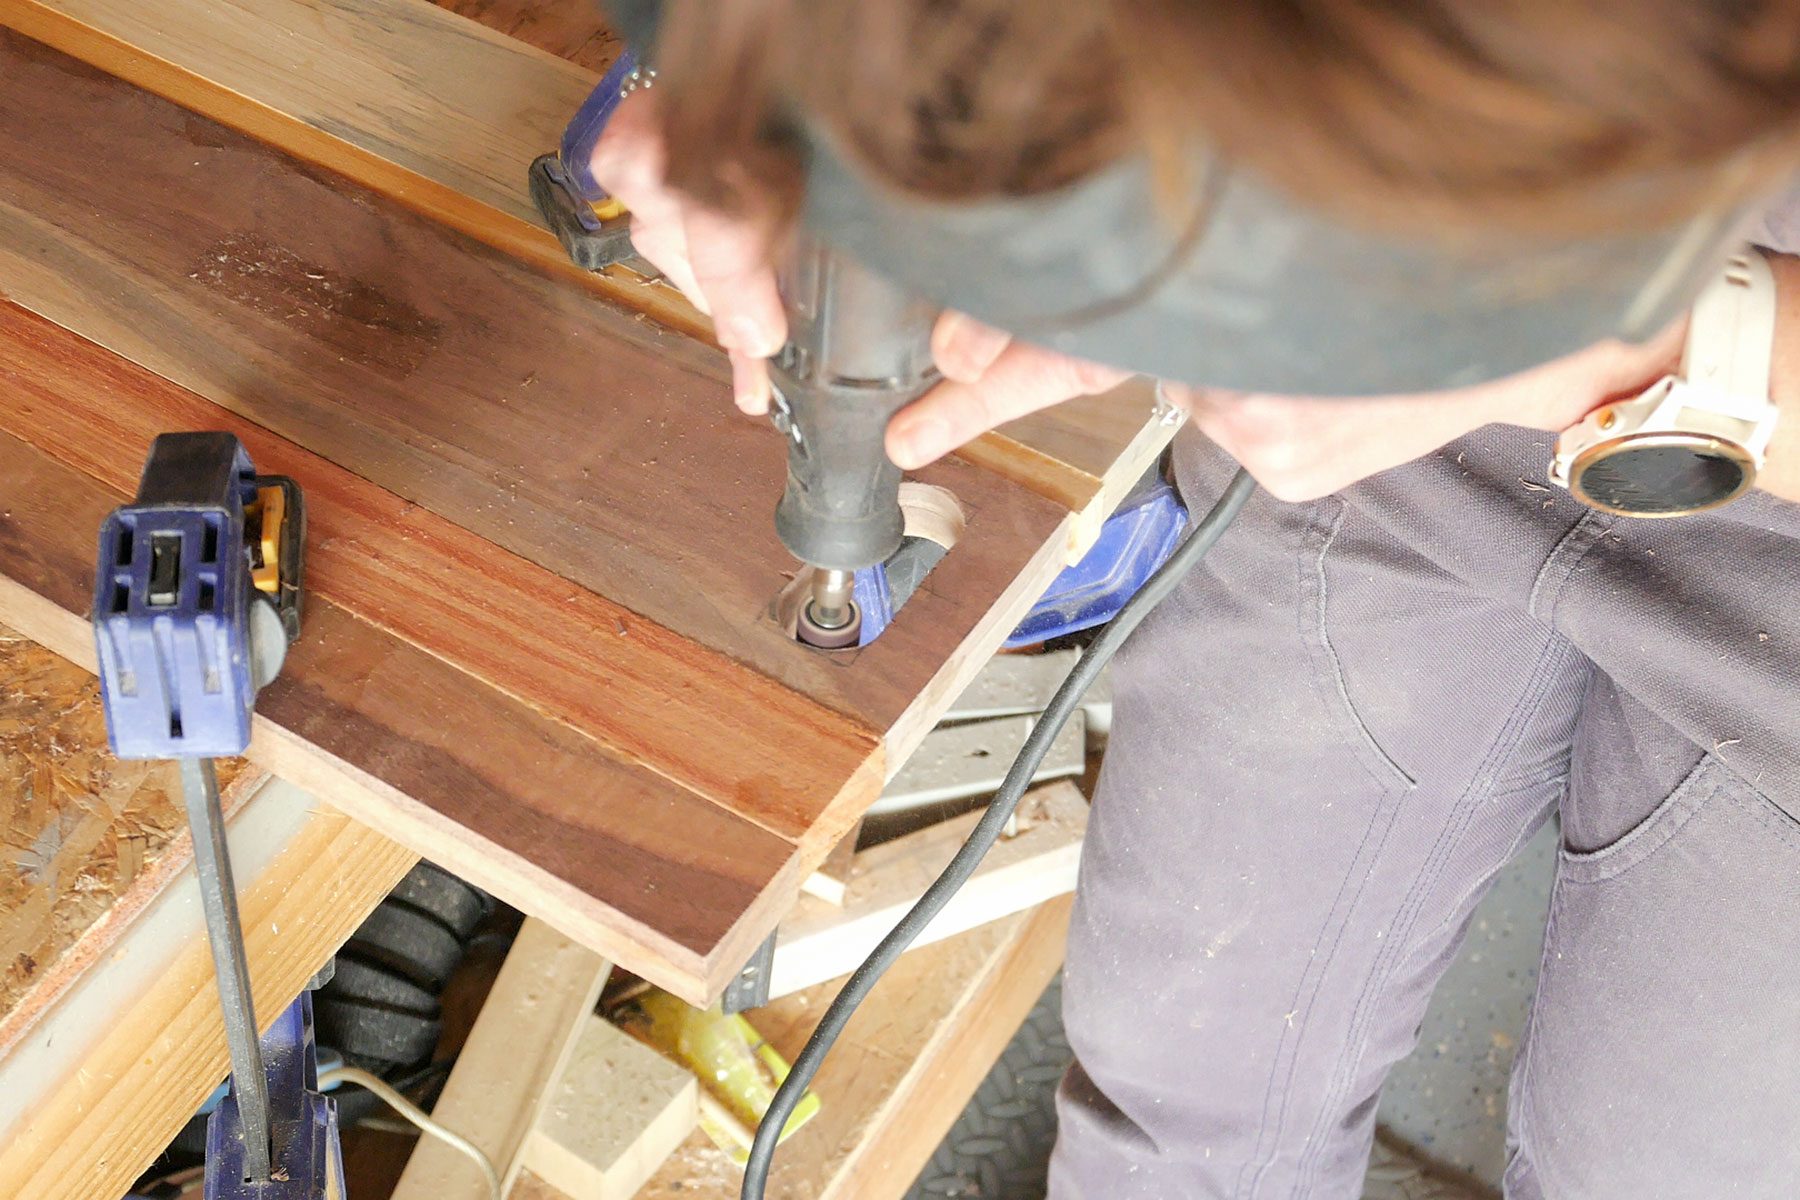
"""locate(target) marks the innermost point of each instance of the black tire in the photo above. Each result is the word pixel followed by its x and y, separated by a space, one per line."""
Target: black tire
pixel 999 1149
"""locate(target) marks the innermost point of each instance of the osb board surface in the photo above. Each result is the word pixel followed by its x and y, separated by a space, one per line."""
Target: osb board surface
pixel 88 838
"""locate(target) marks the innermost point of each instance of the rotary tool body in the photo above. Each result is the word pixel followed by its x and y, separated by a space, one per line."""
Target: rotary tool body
pixel 858 350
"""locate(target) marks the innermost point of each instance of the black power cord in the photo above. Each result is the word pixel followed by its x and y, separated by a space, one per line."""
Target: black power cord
pixel 987 831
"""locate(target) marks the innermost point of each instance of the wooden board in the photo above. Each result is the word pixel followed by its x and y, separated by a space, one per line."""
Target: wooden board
pixel 437 111
pixel 102 1081
pixel 524 475
pixel 505 1073
pixel 617 1111
pixel 900 1075
pixel 820 940
pixel 385 97
pixel 485 786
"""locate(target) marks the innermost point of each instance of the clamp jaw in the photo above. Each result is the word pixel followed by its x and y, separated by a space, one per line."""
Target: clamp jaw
pixel 593 227
pixel 196 599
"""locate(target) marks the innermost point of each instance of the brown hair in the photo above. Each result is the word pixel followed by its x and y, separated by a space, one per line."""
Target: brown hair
pixel 1540 114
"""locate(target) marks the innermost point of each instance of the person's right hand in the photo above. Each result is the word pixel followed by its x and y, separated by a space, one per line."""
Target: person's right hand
pixel 721 263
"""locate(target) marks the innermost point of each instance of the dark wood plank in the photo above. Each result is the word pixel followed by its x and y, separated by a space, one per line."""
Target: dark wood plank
pixel 568 29
pixel 527 410
pixel 633 865
pixel 694 715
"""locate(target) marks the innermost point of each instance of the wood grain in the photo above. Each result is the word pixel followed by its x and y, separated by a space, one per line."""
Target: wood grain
pixel 98 1089
pixel 627 862
pixel 695 716
pixel 898 1077
pixel 820 940
pixel 436 111
pixel 527 411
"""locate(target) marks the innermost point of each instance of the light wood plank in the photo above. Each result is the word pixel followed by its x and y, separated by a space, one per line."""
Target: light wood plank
pixel 99 1085
pixel 820 941
pixel 617 1111
pixel 503 1078
pixel 973 758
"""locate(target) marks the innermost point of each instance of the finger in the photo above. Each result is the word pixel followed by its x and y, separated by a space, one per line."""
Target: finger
pixel 1023 379
pixel 964 347
pixel 664 244
pixel 750 382
pixel 730 260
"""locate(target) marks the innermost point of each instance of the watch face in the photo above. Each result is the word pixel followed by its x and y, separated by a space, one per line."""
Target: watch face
pixel 1661 475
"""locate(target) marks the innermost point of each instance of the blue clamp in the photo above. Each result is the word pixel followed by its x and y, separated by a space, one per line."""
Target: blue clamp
pixel 593 228
pixel 185 636
pixel 1135 540
pixel 308 1162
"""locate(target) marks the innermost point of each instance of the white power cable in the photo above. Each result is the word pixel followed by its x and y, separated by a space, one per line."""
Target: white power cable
pixel 412 1112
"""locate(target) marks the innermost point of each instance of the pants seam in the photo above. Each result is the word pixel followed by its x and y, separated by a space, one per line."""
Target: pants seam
pixel 1316 636
pixel 1555 652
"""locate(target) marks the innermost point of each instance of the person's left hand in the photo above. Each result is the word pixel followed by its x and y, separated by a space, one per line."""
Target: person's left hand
pixel 1297 447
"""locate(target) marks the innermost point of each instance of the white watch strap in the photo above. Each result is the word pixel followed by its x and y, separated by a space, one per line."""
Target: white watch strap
pixel 1731 334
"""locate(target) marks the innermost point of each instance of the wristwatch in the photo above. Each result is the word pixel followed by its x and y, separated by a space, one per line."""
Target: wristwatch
pixel 1695 439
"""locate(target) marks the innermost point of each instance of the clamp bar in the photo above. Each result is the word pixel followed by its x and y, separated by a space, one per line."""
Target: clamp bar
pixel 225 933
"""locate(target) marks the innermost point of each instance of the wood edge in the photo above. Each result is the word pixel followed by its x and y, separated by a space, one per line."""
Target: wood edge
pixel 437 201
pixel 166 1051
pixel 966 660
pixel 1032 469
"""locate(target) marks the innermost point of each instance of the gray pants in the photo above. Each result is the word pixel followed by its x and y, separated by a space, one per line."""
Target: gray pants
pixel 1327 743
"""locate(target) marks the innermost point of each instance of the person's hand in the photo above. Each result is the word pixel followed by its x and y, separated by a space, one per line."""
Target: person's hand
pixel 721 263
pixel 1297 447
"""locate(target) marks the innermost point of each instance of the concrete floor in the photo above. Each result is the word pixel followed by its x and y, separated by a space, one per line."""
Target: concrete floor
pixel 1449 1098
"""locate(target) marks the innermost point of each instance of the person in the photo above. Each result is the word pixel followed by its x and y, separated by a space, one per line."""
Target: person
pixel 1410 652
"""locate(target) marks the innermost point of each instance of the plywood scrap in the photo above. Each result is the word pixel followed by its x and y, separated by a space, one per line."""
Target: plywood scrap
pixel 973 757
pixel 520 1044
pixel 819 941
pixel 97 1087
pixel 616 1112
pixel 571 31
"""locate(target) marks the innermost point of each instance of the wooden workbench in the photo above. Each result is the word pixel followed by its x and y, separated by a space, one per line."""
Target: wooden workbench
pixel 540 648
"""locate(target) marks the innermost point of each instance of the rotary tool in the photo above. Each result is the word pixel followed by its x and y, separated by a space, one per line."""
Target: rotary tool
pixel 858 351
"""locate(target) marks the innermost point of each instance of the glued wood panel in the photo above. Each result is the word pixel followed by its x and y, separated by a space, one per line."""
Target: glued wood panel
pixel 527 411
pixel 620 858
pixel 443 114
pixel 694 716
